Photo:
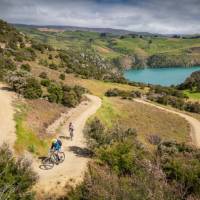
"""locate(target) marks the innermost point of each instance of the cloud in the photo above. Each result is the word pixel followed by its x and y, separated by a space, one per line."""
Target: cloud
pixel 172 16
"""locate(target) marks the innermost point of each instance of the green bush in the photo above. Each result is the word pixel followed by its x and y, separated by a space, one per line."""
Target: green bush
pixel 50 57
pixel 181 165
pixel 43 75
pixel 56 93
pixel 43 62
pixel 45 82
pixel 26 67
pixel 17 176
pixel 6 65
pixel 102 183
pixel 52 98
pixel 53 66
pixel 32 89
pixel 70 99
pixel 119 156
pixel 62 76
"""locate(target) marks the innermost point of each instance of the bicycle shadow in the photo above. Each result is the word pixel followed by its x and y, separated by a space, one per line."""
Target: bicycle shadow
pixel 81 152
pixel 43 166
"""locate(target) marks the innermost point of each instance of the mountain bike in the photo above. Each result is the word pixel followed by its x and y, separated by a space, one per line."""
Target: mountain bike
pixel 54 157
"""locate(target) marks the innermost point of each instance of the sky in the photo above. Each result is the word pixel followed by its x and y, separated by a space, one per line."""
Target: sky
pixel 155 16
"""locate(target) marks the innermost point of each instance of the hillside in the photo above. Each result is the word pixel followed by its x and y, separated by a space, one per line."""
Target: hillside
pixel 126 50
pixel 74 28
pixel 128 149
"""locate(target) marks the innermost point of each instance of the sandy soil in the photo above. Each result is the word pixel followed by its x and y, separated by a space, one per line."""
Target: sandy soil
pixel 194 123
pixel 7 124
pixel 71 171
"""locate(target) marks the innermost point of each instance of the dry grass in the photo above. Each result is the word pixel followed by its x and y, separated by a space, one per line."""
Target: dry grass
pixel 41 114
pixel 32 118
pixel 96 87
pixel 148 121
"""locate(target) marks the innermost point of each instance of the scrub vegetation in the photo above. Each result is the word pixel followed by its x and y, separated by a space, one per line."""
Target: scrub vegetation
pixel 137 152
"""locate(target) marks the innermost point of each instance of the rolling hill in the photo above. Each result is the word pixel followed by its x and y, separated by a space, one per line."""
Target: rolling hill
pixel 124 49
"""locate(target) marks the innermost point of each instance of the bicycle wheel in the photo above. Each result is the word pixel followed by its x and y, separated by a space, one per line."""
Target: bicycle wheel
pixel 47 163
pixel 61 156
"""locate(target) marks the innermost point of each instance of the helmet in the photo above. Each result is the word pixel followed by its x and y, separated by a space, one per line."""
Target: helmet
pixel 54 141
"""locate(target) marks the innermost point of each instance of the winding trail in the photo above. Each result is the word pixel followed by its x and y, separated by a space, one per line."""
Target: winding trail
pixel 72 169
pixel 194 123
pixel 7 123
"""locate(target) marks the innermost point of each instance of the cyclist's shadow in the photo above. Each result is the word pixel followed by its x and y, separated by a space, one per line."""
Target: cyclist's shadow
pixel 65 137
pixel 42 166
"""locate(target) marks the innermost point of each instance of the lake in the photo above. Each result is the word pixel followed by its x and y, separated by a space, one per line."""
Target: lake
pixel 161 76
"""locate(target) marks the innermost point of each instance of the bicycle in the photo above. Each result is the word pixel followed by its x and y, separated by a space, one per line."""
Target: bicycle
pixel 52 159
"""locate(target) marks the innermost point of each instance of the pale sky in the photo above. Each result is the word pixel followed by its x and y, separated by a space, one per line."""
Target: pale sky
pixel 155 16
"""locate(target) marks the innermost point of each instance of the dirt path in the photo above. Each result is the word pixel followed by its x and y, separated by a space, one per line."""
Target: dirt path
pixel 7 124
pixel 194 123
pixel 72 169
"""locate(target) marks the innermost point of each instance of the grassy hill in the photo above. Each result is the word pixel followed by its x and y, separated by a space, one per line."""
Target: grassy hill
pixel 132 50
pixel 133 156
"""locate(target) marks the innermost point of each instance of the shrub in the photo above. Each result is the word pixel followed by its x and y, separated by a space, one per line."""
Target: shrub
pixel 124 94
pixel 43 62
pixel 154 139
pixel 7 65
pixel 181 165
pixel 52 98
pixel 32 89
pixel 43 75
pixel 62 76
pixel 50 57
pixel 45 82
pixel 79 91
pixel 53 66
pixel 95 133
pixel 101 183
pixel 26 67
pixel 112 93
pixel 17 176
pixel 24 84
pixel 119 156
pixel 70 99
pixel 56 93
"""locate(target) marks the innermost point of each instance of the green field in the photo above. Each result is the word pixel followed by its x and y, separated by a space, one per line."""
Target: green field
pixel 192 95
pixel 112 46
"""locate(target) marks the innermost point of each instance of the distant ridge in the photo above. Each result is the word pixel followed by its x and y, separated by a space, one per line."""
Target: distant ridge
pixel 98 30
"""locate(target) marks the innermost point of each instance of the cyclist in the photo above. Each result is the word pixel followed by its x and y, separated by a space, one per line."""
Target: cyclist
pixel 71 130
pixel 56 146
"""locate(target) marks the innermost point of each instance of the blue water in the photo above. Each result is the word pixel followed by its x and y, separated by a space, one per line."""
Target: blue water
pixel 161 76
